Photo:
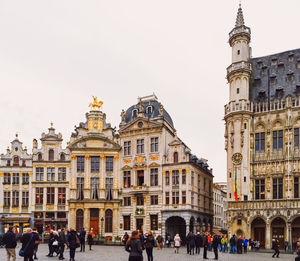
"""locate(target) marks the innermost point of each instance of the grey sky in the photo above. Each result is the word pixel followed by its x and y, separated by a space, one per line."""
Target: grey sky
pixel 55 54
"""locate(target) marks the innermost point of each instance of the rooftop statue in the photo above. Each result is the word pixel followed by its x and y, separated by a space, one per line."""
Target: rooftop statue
pixel 95 104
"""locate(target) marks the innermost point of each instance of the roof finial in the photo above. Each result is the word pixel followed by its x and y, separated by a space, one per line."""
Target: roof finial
pixel 240 17
pixel 51 123
pixel 17 135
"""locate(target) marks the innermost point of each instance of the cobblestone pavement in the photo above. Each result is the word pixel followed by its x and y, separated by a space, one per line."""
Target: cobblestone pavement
pixel 112 253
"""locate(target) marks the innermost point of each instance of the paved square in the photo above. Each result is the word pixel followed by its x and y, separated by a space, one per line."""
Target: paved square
pixel 116 253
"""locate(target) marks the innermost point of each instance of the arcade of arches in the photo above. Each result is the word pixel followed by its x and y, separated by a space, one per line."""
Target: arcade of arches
pixel 275 228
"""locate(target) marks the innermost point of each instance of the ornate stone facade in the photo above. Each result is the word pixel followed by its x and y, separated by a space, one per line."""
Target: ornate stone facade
pixel 262 125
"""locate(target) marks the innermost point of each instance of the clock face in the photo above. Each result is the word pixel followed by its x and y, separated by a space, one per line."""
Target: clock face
pixel 237 158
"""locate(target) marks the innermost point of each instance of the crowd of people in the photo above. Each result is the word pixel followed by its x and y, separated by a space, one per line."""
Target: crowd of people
pixel 57 243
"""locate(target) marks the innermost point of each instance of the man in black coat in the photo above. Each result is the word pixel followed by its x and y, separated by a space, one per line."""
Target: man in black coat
pixel 62 241
pixel 205 245
pixel 275 247
pixel 28 242
pixel 198 242
pixel 191 242
pixel 215 244
pixel 240 245
pixel 82 240
pixel 10 242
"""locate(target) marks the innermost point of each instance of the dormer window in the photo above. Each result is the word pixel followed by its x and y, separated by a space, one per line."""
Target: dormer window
pixel 8 163
pixel 23 163
pixel 134 113
pixel 40 158
pixel 62 157
pixel 279 93
pixel 238 52
pixel 149 110
pixel 51 155
pixel 175 157
pixel 238 90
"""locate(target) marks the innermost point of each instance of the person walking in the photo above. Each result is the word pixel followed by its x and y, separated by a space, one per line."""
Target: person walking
pixel 50 242
pixel 73 243
pixel 239 245
pixel 177 243
pixel 275 247
pixel 205 245
pixel 245 244
pixel 198 242
pixel 90 238
pixel 159 240
pixel 215 243
pixel 149 245
pixel 232 242
pixel 191 242
pixel 82 240
pixel 134 247
pixel 62 241
pixel 36 242
pixel 10 242
pixel 28 244
pixel 125 238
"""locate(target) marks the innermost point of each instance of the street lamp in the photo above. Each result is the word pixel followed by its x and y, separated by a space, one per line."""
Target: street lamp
pixel 102 219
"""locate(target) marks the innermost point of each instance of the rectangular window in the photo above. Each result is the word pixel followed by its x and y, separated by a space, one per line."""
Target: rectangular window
pixel 95 163
pixel 16 178
pixel 126 179
pixel 80 163
pixel 175 197
pixel 154 177
pixel 127 201
pixel 183 177
pixel 167 178
pixel 109 182
pixel 127 148
pixel 39 196
pixel 6 178
pixel 259 189
pixel 109 163
pixel 139 200
pixel 25 198
pixel 140 146
pixel 193 179
pixel 15 198
pixel 25 178
pixel 126 222
pixel 192 198
pixel 175 177
pixel 61 196
pixel 277 140
pixel 296 138
pixel 140 176
pixel 80 186
pixel 50 196
pixel 167 198
pixel 62 173
pixel 183 197
pixel 296 187
pixel 277 188
pixel 260 141
pixel 154 144
pixel 6 198
pixel 154 222
pixel 50 174
pixel 154 200
pixel 94 188
pixel 39 172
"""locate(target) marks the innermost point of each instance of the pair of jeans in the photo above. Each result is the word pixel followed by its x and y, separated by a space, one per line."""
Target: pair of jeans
pixel 216 253
pixel 82 246
pixel 149 252
pixel 205 252
pixel 197 250
pixel 61 251
pixel 72 253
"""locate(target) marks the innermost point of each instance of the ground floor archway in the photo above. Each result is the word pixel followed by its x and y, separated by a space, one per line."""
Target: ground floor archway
pixel 278 229
pixel 258 231
pixel 295 228
pixel 79 219
pixel 176 225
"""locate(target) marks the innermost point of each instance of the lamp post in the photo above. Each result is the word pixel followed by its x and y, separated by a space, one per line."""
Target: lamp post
pixel 102 219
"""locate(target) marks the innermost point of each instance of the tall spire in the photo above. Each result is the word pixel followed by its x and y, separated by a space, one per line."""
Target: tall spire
pixel 240 17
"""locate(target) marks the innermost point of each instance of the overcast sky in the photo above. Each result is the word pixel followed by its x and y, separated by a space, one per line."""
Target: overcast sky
pixel 54 55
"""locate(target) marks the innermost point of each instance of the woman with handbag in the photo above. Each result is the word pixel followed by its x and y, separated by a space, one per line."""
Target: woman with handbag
pixel 28 243
pixel 73 242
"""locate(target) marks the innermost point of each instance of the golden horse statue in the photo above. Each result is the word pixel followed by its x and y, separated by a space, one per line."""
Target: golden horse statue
pixel 96 104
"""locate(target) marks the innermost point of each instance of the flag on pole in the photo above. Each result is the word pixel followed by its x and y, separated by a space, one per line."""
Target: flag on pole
pixel 235 187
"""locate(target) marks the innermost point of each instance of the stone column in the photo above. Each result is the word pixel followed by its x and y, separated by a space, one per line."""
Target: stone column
pixel 86 219
pixel 268 235
pixel 187 225
pixel 289 233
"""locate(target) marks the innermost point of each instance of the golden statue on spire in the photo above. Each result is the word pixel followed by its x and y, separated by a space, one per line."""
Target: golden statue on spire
pixel 95 104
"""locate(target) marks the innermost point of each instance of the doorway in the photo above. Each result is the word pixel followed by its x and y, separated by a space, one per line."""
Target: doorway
pixel 94 220
pixel 278 230
pixel 139 224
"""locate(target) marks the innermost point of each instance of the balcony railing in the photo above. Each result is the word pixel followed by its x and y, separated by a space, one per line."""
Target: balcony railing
pixel 139 189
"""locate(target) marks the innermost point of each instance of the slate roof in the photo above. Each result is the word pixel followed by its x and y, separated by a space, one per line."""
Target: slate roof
pixel 129 117
pixel 275 76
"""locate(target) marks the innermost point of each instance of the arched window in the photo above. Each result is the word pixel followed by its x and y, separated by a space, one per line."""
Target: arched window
pixel 40 158
pixel 79 219
pixel 149 110
pixel 16 161
pixel 134 113
pixel 62 157
pixel 108 221
pixel 51 155
pixel 175 157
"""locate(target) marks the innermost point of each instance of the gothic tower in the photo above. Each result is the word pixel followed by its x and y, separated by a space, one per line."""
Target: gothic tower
pixel 238 113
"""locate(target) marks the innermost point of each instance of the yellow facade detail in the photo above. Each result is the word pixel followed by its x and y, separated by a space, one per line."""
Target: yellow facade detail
pixel 156 157
pixel 15 210
pixel 126 161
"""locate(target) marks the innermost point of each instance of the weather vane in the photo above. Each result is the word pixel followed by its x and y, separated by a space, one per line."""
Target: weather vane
pixel 96 104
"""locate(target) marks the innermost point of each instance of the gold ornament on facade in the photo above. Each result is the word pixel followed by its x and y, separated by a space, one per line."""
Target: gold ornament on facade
pixel 126 161
pixel 237 158
pixel 154 158
pixel 95 105
pixel 139 160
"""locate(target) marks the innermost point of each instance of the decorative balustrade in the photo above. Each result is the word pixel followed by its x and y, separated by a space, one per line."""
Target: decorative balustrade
pixel 139 189
pixel 245 66
pixel 235 106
